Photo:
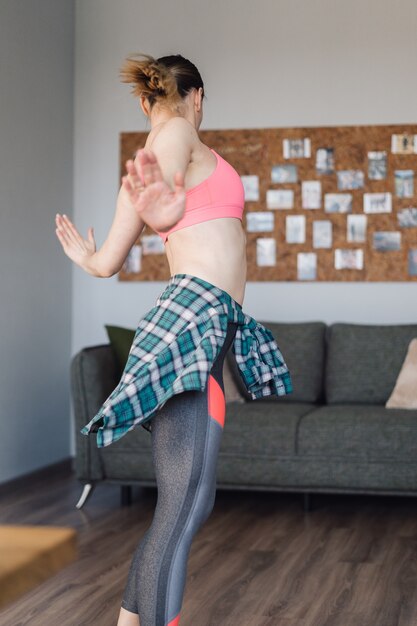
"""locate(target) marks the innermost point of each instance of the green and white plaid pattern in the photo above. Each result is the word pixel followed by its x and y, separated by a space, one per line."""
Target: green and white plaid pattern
pixel 174 348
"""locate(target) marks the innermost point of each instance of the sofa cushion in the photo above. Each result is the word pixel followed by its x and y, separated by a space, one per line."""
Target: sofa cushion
pixel 261 428
pixel 404 394
pixel 303 347
pixel 121 340
pixel 358 431
pixel 363 361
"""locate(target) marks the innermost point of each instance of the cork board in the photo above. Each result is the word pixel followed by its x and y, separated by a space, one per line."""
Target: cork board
pixel 367 231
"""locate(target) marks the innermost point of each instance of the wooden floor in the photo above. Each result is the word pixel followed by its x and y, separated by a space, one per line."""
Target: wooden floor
pixel 260 559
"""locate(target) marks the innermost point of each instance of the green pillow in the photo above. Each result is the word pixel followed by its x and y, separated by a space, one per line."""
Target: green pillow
pixel 121 341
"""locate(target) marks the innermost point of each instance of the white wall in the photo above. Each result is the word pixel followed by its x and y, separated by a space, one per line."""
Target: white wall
pixel 264 64
pixel 36 156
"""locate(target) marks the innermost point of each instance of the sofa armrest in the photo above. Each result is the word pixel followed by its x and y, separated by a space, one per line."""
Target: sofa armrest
pixel 94 375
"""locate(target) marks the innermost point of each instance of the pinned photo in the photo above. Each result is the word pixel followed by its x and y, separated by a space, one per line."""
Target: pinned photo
pixel 152 244
pixel 386 240
pixel 356 228
pixel 407 218
pixel 259 221
pixel 347 259
pixel 306 265
pixel 284 174
pixel 377 165
pixel 251 187
pixel 350 179
pixel 324 160
pixel 295 229
pixel 338 202
pixel 322 234
pixel 412 262
pixel 133 262
pixel 311 194
pixel 404 183
pixel 404 143
pixel 296 148
pixel 279 199
pixel 377 202
pixel 266 251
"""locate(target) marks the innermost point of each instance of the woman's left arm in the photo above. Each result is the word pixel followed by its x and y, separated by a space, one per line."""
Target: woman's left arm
pixel 108 260
pixel 152 193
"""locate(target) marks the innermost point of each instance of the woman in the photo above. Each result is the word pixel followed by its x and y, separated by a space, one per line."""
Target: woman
pixel 172 383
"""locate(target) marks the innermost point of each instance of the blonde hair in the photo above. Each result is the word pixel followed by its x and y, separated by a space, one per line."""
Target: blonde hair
pixel 165 80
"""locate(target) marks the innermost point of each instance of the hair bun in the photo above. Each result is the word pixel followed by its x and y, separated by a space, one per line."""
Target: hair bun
pixel 149 78
pixel 166 80
pixel 154 80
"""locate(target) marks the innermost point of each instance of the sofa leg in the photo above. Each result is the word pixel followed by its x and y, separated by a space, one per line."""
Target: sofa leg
pixel 308 501
pixel 126 495
pixel 87 489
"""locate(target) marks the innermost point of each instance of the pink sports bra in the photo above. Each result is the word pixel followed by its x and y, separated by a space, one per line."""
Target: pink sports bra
pixel 220 195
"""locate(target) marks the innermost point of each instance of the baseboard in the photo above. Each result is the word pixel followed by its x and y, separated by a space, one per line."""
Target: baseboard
pixel 61 468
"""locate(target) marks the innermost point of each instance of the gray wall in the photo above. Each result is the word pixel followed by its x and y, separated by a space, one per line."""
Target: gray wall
pixel 36 173
pixel 269 63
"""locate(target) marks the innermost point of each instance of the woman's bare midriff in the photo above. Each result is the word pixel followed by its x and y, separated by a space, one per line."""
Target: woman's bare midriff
pixel 214 250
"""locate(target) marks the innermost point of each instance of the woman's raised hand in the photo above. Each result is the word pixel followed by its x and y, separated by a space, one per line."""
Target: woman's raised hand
pixel 144 190
pixel 151 196
pixel 75 247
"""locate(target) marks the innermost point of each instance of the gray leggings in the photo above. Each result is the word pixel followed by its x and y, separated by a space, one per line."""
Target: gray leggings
pixel 186 435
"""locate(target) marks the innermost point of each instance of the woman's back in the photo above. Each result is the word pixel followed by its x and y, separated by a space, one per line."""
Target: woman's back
pixel 212 248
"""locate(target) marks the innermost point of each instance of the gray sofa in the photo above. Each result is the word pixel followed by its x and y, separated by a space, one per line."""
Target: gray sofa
pixel 332 434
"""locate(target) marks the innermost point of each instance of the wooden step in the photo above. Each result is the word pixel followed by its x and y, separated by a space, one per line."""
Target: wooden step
pixel 31 554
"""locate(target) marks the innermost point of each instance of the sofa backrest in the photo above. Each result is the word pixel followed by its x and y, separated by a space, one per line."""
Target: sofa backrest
pixel 94 375
pixel 303 347
pixel 363 361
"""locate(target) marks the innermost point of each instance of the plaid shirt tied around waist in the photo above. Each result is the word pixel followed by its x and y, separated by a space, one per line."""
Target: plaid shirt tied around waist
pixel 174 348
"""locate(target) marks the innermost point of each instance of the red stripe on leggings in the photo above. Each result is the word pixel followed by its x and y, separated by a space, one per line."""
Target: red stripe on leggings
pixel 216 401
pixel 175 621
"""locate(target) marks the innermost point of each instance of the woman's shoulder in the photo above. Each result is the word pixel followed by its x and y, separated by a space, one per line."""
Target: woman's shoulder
pixel 177 128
